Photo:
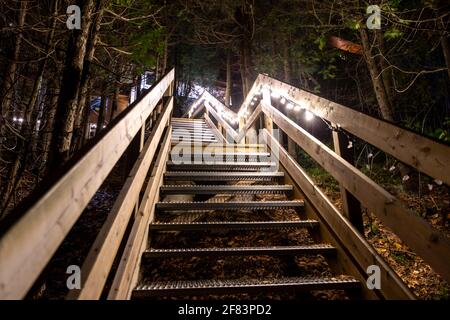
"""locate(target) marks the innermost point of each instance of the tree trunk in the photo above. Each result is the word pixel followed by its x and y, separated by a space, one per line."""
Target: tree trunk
pixel 77 136
pixel 24 148
pixel 386 73
pixel 68 99
pixel 115 102
pixel 157 73
pixel 229 82
pixel 40 75
pixel 380 92
pixel 47 131
pixel 441 8
pixel 245 68
pixel 286 60
pixel 7 89
pixel 85 121
pixel 446 50
pixel 165 56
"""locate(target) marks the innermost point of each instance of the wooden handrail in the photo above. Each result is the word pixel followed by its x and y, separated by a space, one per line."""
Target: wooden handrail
pixel 101 256
pixel 420 236
pixel 421 153
pixel 248 124
pixel 365 255
pixel 28 245
pixel 128 269
pixel 219 134
pixel 231 132
pixel 210 97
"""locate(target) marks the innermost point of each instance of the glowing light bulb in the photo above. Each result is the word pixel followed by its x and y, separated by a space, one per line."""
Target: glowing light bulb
pixel 275 94
pixel 309 115
pixel 290 106
pixel 297 108
pixel 283 100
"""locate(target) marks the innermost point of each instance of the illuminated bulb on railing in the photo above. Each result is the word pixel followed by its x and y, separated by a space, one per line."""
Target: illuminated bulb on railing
pixel 297 108
pixel 309 115
pixel 252 104
pixel 255 98
pixel 290 106
pixel 283 100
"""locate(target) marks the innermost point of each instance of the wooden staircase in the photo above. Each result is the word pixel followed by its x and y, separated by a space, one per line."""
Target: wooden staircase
pixel 212 191
pixel 224 176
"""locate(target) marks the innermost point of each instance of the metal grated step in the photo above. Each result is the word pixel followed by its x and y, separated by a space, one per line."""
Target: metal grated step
pixel 224 166
pixel 195 128
pixel 239 225
pixel 176 140
pixel 202 287
pixel 189 123
pixel 193 137
pixel 221 176
pixel 238 154
pixel 189 126
pixel 241 205
pixel 234 189
pixel 192 132
pixel 324 249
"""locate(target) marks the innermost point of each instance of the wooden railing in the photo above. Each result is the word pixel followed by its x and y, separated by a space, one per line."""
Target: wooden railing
pixel 27 246
pixel 419 152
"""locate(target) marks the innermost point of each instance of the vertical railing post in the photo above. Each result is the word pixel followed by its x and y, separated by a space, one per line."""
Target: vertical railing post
pixel 132 154
pixel 291 148
pixel 241 127
pixel 351 206
pixel 268 123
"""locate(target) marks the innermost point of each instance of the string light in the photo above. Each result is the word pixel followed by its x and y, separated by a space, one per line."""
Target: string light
pixel 290 106
pixel 297 108
pixel 275 94
pixel 283 100
pixel 309 115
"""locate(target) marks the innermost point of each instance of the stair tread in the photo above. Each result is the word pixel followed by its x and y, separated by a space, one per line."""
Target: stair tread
pixel 222 175
pixel 230 205
pixel 236 225
pixel 266 154
pixel 218 173
pixel 312 248
pixel 243 285
pixel 236 163
pixel 216 189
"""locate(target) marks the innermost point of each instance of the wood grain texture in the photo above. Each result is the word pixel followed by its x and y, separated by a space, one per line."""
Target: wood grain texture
pixel 28 245
pixel 431 244
pixel 126 275
pixel 101 256
pixel 392 287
